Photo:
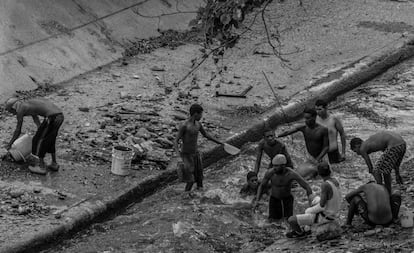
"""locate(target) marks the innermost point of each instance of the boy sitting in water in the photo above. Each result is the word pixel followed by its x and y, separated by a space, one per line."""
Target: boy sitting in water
pixel 252 185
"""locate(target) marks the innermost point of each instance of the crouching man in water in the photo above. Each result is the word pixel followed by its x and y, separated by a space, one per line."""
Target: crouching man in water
pixel 393 146
pixel 326 210
pixel 44 140
pixel 375 205
pixel 281 199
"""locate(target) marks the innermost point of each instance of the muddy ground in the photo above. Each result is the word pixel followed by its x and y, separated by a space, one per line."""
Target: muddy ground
pixel 219 220
pixel 134 101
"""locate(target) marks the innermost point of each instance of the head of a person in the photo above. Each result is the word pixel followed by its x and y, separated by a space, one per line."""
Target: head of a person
pixel 321 107
pixel 197 111
pixel 310 117
pixel 356 145
pixel 11 105
pixel 269 137
pixel 252 180
pixel 279 163
pixel 324 169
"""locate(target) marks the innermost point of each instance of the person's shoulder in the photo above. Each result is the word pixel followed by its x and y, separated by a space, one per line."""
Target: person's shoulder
pixel 244 189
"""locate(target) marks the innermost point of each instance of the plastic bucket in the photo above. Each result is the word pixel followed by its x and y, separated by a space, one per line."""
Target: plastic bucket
pixel 121 160
pixel 21 148
pixel 407 219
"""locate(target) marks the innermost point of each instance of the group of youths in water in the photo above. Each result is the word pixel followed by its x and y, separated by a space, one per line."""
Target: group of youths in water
pixel 374 202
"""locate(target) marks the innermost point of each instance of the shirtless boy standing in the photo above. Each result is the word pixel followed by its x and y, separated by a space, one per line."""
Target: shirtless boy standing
pixel 393 147
pixel 44 140
pixel 271 147
pixel 334 126
pixel 188 133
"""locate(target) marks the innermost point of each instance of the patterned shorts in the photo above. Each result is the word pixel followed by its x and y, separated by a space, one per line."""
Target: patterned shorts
pixel 390 159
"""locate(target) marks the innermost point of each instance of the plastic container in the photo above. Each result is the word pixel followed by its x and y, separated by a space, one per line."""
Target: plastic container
pixel 407 219
pixel 21 148
pixel 121 160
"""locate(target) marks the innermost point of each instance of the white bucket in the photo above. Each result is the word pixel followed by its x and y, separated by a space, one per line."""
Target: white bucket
pixel 121 160
pixel 21 148
pixel 407 219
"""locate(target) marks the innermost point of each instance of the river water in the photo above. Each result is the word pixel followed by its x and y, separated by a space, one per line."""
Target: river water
pixel 218 220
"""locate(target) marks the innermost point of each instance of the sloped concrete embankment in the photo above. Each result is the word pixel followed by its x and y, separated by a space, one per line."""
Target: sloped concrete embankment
pixel 328 87
pixel 51 41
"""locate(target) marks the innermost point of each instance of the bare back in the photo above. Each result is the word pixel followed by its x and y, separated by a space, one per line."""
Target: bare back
pixel 39 107
pixel 378 203
pixel 381 141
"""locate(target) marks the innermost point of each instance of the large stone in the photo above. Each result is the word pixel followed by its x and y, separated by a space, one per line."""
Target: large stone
pixel 143 133
pixel 157 155
pixel 164 142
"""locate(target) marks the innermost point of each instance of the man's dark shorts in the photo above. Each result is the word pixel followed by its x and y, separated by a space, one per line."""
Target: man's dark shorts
pixel 279 208
pixel 44 140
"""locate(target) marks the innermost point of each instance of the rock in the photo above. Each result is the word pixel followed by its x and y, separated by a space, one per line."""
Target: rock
pixel 83 109
pixel 178 116
pixel 156 68
pixel 165 143
pixel 370 232
pixel 157 155
pixel 168 90
pixel 148 146
pixel 37 190
pixel 143 133
pixel 135 76
pixel 410 188
pixel 124 94
pixel 281 87
pixel 15 193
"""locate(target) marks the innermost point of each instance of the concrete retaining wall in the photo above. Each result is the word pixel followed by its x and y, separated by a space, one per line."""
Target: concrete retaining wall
pixel 55 40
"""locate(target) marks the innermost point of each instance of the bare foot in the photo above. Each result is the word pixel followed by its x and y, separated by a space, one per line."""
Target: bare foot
pixel 53 166
pixel 38 170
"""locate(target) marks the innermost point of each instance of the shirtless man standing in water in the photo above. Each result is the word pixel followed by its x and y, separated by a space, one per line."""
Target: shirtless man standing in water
pixel 393 147
pixel 188 133
pixel 334 126
pixel 316 140
pixel 281 179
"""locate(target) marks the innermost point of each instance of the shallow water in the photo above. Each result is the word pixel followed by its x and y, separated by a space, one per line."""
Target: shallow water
pixel 219 220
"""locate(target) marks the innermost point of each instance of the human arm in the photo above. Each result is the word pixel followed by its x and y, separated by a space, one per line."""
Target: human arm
pixel 262 185
pixel 179 135
pixel 17 131
pixel 289 162
pixel 340 129
pixel 36 120
pixel 208 136
pixel 258 158
pixel 365 155
pixel 353 193
pixel 325 145
pixel 302 182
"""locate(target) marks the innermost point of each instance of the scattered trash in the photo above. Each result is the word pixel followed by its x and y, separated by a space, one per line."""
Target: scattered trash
pixel 83 109
pixel 156 68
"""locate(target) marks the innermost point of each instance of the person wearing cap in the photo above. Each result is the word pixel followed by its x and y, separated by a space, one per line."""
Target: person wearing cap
pixel 281 179
pixel 271 147
pixel 44 140
pixel 325 210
